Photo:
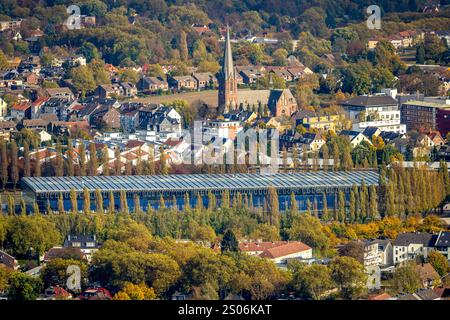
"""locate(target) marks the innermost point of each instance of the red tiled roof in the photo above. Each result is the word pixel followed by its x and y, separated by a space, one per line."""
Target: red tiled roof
pixel 39 101
pixel 383 296
pixel 133 144
pixel 259 246
pixel 172 142
pixel 284 250
pixel 21 107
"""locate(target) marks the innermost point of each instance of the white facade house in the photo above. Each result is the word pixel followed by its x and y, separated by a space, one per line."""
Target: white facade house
pixel 221 129
pixel 44 136
pixel 409 246
pixel 379 111
pixel 279 252
pixel 443 243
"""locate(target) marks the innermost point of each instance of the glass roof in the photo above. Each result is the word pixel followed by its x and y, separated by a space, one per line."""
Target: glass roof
pixel 198 182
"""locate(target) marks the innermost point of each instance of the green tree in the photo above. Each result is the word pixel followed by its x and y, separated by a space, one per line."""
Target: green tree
pixel 31 235
pixel 83 79
pixel 164 169
pixel 350 277
pixel 14 169
pixel 24 287
pixel 439 262
pixel 26 160
pixel 406 279
pixel 74 201
pixel 308 229
pixel 229 242
pixel 3 163
pixel 313 281
pixel 54 273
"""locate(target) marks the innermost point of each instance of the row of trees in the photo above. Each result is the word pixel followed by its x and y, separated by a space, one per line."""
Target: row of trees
pixel 70 162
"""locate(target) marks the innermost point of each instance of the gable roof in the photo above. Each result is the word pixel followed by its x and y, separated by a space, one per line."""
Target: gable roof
pixel 443 239
pixel 407 238
pixel 284 250
pixel 383 296
pixel 259 246
pixel 369 101
pixel 370 131
pixel 426 272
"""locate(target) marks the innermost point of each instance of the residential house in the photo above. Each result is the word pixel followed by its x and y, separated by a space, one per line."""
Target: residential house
pixel 379 297
pixel 109 116
pixel 105 91
pixel 313 141
pixel 436 139
pixel 36 106
pixel 379 111
pixel 371 132
pixel 35 124
pixel 63 93
pixel 96 294
pixel 410 245
pixel 289 138
pixel 385 250
pixel 8 260
pixel 221 129
pixel 442 243
pixel 44 136
pixel 201 28
pixel 87 21
pixel 183 82
pixel 325 123
pixel 355 137
pixel 152 84
pixel 242 116
pixel 299 72
pixel 251 74
pixel 30 78
pixel 205 80
pixel 56 106
pixel 75 61
pixel 86 243
pixel 282 73
pixel 372 260
pixel 129 89
pixel 429 278
pixel 372 44
pixel 421 294
pixel 21 111
pixel 56 293
pixel 13 24
pixel 129 120
pixel 6 128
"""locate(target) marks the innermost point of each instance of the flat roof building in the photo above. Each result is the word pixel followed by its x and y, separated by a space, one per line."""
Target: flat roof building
pixel 306 186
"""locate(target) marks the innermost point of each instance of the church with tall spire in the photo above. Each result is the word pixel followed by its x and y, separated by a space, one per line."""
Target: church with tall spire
pixel 228 99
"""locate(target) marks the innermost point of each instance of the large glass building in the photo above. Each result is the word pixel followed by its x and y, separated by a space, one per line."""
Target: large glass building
pixel 306 186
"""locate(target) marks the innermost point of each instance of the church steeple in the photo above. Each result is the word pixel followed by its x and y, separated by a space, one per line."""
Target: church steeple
pixel 227 79
pixel 228 68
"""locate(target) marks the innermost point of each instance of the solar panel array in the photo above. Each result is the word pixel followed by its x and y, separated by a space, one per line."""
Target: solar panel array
pixel 197 182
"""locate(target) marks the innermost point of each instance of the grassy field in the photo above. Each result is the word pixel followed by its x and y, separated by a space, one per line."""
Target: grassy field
pixel 208 96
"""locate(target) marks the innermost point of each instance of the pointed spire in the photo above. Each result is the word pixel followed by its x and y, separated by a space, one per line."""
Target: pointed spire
pixel 228 68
